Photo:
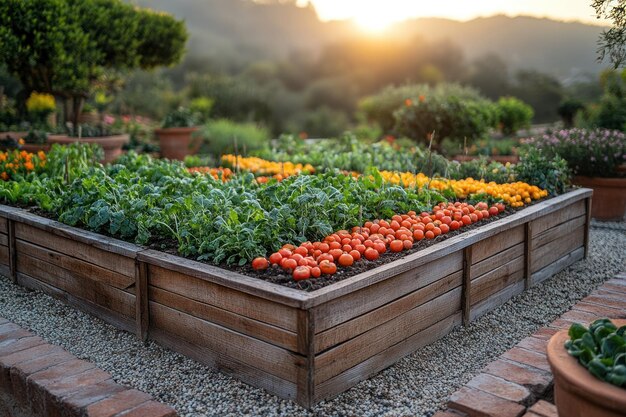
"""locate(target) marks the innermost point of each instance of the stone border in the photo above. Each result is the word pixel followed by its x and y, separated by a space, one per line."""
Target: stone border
pixel 40 379
pixel 515 384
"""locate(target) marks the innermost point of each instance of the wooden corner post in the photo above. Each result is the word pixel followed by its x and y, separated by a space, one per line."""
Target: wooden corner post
pixel 467 283
pixel 306 345
pixel 528 248
pixel 142 314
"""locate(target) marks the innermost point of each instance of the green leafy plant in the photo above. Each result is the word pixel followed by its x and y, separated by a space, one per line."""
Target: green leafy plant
pixel 181 117
pixel 550 173
pixel 601 349
pixel 222 136
pixel 513 114
pixel 36 137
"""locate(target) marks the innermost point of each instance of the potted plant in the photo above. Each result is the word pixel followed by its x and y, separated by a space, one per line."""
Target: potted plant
pixel 109 139
pixel 34 141
pixel 597 159
pixel 589 368
pixel 175 135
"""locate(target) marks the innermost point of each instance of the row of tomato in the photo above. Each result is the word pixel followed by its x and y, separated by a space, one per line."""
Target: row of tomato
pixel 368 242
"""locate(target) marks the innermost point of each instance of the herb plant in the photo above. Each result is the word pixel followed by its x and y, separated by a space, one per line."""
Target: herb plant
pixel 601 349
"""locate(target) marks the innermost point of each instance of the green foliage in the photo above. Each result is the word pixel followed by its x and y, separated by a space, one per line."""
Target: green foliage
pixel 221 136
pixel 483 169
pixel 612 42
pixel 324 122
pixel 450 111
pixel 202 107
pixel 36 137
pixel 513 114
pixel 84 130
pixel 181 117
pixel 601 349
pixel 550 173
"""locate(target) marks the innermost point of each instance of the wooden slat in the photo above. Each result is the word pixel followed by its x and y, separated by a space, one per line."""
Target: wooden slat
pixel 382 360
pixel 4 227
pixel 142 309
pixel 557 266
pixel 112 317
pixel 225 298
pixel 244 372
pixel 12 251
pixel 444 248
pixel 76 249
pixel 496 244
pixel 4 257
pixel 4 239
pixel 547 254
pixel 569 212
pixel 467 284
pixel 528 248
pixel 497 260
pixel 497 299
pixel 91 290
pixel 77 267
pixel 588 205
pixel 366 345
pixel 493 281
pixel 556 232
pixel 306 374
pixel 364 322
pixel 253 328
pixel 226 343
pixel 360 302
pixel 225 278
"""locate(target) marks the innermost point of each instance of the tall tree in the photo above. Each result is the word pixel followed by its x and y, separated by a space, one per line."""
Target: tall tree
pixel 63 46
pixel 612 42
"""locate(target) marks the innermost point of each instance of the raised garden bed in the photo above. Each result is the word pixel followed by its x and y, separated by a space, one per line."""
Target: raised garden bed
pixel 303 346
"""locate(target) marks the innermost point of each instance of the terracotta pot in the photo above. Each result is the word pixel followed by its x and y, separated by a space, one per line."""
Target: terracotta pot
pixel 90 118
pixel 176 142
pixel 35 147
pixel 14 135
pixel 577 393
pixel 112 145
pixel 609 196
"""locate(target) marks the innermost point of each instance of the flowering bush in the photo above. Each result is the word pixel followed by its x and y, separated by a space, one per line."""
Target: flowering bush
pixel 592 153
pixel 40 102
pixel 20 163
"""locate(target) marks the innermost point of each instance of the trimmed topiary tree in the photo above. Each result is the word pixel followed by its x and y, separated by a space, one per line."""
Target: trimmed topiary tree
pixel 63 47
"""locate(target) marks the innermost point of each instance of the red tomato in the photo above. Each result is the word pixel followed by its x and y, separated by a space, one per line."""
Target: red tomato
pixel 396 246
pixel 485 214
pixel 316 272
pixel 296 257
pixel 455 225
pixel 356 255
pixel 501 207
pixel 371 254
pixel 301 251
pixel 473 217
pixel 288 263
pixel 360 248
pixel 466 220
pixel 285 253
pixel 289 246
pixel 493 211
pixel 408 244
pixel 346 248
pixel 444 228
pixel 418 234
pixel 380 247
pixel 260 263
pixel 437 231
pixel 335 253
pixel 324 247
pixel 325 257
pixel 275 258
pixel 429 235
pixel 328 268
pixel 334 245
pixel 346 260
pixel 301 272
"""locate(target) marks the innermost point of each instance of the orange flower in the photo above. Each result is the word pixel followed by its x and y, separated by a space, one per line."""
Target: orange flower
pixel 408 102
pixel 3 156
pixel 41 155
pixel 21 141
pixel 29 166
pixel 421 98
pixel 4 176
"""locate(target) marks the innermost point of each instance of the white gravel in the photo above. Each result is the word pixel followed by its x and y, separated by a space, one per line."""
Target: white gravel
pixel 418 385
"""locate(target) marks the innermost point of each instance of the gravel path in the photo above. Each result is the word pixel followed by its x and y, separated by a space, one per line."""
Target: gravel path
pixel 417 385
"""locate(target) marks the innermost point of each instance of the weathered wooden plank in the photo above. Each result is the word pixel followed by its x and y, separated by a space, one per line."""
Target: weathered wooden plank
pixel 238 282
pixel 4 227
pixel 360 302
pixel 253 328
pixel 496 244
pixel 386 358
pixel 78 286
pixel 12 251
pixel 489 264
pixel 84 251
pixel 4 239
pixel 244 372
pixel 76 266
pixel 556 232
pixel 528 247
pixel 497 299
pixel 557 266
pixel 445 247
pixel 75 234
pixel 547 254
pixel 383 314
pixel 4 258
pixel 493 281
pixel 142 308
pixel 467 284
pixel 588 203
pixel 227 343
pixel 112 317
pixel 546 222
pixel 225 298
pixel 356 350
pixel 306 374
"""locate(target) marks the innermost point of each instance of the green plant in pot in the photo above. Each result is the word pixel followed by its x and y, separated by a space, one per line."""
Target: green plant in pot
pixel 175 135
pixel 589 367
pixel 111 140
pixel 597 158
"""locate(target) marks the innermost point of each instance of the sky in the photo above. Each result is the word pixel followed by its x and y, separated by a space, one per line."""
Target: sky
pixel 378 14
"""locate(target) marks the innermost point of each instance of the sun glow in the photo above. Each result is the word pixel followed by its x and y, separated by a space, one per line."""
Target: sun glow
pixel 376 19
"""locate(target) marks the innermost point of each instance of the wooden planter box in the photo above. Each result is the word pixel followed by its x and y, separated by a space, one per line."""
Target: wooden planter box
pixel 302 346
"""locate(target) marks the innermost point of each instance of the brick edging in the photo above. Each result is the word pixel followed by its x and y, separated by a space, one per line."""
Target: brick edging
pixel 515 384
pixel 40 379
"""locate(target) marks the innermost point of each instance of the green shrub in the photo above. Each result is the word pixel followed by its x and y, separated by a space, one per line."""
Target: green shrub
pixel 450 111
pixel 513 114
pixel 202 106
pixel 537 168
pixel 220 137
pixel 181 117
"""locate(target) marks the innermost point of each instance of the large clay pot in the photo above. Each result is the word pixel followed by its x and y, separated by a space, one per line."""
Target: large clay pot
pixel 112 145
pixel 577 393
pixel 177 143
pixel 609 196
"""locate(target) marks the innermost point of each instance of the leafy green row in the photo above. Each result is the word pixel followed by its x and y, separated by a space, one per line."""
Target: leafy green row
pixel 601 349
pixel 151 201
